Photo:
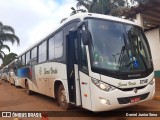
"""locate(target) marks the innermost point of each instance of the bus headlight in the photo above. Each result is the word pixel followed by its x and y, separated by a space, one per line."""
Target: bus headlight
pixel 102 85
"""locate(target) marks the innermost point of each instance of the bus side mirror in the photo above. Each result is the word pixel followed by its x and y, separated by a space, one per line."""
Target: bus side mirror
pixel 84 32
pixel 85 37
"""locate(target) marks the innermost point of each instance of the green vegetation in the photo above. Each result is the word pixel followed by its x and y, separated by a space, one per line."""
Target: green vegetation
pixel 9 58
pixel 7 34
pixel 109 7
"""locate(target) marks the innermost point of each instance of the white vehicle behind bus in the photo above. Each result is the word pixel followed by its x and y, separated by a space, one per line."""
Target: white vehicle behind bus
pixel 12 73
pixel 5 73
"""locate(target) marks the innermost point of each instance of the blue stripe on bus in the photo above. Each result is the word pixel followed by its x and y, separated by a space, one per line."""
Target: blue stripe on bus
pixel 24 72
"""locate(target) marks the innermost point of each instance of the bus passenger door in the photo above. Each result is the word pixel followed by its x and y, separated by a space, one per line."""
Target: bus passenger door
pixel 72 69
pixel 77 71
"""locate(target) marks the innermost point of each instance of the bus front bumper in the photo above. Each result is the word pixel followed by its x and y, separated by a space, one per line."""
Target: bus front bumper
pixel 104 101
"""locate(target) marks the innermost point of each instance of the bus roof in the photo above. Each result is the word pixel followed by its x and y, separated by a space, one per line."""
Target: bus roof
pixel 82 16
pixel 94 15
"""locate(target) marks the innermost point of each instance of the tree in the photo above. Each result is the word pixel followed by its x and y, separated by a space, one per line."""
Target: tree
pixel 7 34
pixel 87 4
pixel 9 58
pixel 107 7
pixel 2 54
pixel 137 2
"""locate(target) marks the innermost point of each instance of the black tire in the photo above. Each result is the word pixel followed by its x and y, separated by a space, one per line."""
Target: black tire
pixel 62 99
pixel 29 92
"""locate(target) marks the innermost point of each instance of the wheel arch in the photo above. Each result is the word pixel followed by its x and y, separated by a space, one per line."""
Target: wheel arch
pixel 57 83
pixel 26 81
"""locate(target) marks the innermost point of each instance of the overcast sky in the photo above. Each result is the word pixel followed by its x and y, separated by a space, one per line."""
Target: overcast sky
pixel 33 19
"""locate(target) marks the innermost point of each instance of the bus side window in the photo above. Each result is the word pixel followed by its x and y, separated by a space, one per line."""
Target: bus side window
pixel 58 44
pixel 83 61
pixel 15 70
pixel 27 58
pixel 23 60
pixel 19 62
pixel 42 57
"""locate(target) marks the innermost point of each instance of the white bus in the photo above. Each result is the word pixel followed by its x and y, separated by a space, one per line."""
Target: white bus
pixel 4 75
pixel 12 73
pixel 93 61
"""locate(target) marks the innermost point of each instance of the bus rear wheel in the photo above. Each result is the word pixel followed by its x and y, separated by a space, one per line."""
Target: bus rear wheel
pixel 62 98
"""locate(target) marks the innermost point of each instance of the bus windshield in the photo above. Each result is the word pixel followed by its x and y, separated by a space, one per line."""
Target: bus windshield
pixel 118 46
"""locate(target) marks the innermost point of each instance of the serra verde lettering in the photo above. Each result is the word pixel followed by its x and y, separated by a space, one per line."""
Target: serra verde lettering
pixel 126 84
pixel 49 71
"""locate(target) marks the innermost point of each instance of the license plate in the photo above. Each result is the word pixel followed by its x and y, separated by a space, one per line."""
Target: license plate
pixel 132 100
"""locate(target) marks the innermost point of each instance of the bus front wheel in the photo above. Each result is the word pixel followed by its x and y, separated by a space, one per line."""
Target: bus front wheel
pixel 62 98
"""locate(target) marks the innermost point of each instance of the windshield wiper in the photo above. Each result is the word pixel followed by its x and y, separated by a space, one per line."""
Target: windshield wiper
pixel 142 58
pixel 121 56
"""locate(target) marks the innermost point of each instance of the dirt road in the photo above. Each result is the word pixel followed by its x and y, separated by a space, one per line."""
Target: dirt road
pixel 16 99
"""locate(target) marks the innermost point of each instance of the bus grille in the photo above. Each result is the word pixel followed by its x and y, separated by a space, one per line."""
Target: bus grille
pixel 130 89
pixel 126 100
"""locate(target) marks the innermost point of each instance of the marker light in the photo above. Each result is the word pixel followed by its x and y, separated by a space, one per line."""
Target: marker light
pixel 103 86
